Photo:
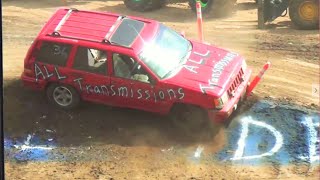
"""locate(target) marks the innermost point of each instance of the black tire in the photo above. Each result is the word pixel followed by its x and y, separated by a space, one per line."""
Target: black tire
pixel 193 122
pixel 261 18
pixel 144 5
pixel 52 93
pixel 299 20
pixel 204 10
pixel 218 8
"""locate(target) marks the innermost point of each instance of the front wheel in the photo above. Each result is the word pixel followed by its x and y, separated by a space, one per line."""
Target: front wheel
pixel 193 121
pixel 304 13
pixel 63 96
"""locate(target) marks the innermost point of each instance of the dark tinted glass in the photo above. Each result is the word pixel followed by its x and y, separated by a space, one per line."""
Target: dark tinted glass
pixel 53 53
pixel 127 32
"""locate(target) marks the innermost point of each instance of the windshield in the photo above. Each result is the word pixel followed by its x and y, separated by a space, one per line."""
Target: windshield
pixel 166 52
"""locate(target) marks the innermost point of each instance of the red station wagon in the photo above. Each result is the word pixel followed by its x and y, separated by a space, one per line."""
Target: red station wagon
pixel 132 62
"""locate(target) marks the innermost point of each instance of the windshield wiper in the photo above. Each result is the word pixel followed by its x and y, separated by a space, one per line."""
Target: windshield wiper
pixel 182 61
pixel 184 58
pixel 172 70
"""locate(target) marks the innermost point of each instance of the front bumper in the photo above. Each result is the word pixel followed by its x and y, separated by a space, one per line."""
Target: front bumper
pixel 231 105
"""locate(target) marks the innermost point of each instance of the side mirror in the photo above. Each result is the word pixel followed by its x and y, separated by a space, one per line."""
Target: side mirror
pixel 152 82
pixel 183 34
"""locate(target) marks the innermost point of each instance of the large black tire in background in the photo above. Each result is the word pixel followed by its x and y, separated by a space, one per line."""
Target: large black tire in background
pixel 261 17
pixel 218 8
pixel 304 13
pixel 144 5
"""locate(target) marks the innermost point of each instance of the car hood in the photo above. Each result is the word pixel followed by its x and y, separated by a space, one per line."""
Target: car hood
pixel 208 69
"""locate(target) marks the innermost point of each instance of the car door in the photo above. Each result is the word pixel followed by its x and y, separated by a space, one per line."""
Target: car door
pixel 89 74
pixel 131 85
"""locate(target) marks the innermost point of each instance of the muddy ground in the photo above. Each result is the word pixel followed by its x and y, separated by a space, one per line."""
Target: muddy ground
pixel 274 135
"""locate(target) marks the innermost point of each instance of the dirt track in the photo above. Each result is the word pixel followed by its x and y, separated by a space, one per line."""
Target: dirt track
pixel 98 142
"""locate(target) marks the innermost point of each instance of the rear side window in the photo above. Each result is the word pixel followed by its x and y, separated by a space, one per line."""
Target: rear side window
pixel 53 53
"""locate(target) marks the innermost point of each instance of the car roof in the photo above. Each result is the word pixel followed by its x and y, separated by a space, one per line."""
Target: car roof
pixel 100 27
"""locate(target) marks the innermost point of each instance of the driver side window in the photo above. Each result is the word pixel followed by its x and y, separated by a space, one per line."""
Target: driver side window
pixel 126 67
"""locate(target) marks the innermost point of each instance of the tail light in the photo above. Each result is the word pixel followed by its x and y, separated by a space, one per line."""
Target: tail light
pixel 29 59
pixel 28 70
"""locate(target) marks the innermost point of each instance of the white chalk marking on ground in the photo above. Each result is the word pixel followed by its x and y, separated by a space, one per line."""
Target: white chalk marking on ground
pixel 241 141
pixel 26 145
pixel 244 134
pixel 315 90
pixel 313 139
pixel 27 142
pixel 198 152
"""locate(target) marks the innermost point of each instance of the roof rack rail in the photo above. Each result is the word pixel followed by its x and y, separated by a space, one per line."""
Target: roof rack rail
pixel 90 40
pixel 63 20
pixel 115 25
pixel 73 37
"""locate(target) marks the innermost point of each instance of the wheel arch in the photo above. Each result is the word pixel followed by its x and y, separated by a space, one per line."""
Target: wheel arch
pixel 176 105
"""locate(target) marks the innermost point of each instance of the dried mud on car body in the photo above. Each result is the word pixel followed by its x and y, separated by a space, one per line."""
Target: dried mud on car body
pixel 96 141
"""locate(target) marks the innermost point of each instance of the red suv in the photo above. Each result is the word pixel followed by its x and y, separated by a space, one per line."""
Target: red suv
pixel 135 63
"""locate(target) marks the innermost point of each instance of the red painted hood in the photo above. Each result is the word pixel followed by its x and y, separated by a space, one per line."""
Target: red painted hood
pixel 209 70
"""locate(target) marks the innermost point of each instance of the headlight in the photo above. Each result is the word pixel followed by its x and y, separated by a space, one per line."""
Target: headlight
pixel 225 97
pixel 244 65
pixel 221 101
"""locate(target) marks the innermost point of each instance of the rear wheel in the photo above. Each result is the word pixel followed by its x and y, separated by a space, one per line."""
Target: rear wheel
pixel 144 5
pixel 304 13
pixel 63 96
